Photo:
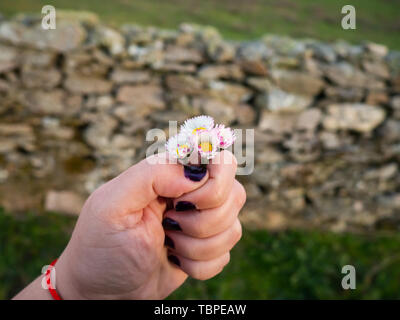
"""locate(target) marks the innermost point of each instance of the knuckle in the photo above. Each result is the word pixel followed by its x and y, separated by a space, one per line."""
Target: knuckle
pixel 237 231
pixel 241 195
pixel 201 252
pixel 217 197
pixel 201 229
pixel 200 273
pixel 227 259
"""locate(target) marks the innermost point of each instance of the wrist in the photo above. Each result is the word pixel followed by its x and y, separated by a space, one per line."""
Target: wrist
pixel 66 285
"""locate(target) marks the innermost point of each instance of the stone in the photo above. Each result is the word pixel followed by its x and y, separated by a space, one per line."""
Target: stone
pixel 151 54
pixel 4 86
pixel 98 134
pixel 330 140
pixel 395 83
pixel 86 85
pixel 276 122
pixel 122 76
pixel 37 58
pixel 221 51
pixel 222 112
pixel 268 155
pixel 182 55
pixel 260 84
pixel 384 173
pixel 39 78
pixel 184 84
pixel 395 104
pixel 358 117
pixel 254 67
pixel 44 102
pixel 144 96
pixel 131 113
pixel 311 66
pixel 67 36
pixel 65 201
pixel 213 72
pixel 323 52
pixel 254 50
pixel 165 116
pixel 344 94
pixel 8 58
pixel 377 98
pixel 378 50
pixel 309 119
pixel 276 100
pixel 4 174
pixel 15 129
pixel 392 201
pixel 284 46
pixel 297 82
pixel 15 135
pixel 59 133
pixel 376 68
pixel 346 75
pixel 110 39
pixel 245 114
pixel 7 145
pixel 120 141
pixel 175 67
pixel 229 92
pixel 280 62
pixel 393 61
pixel 101 103
pixel 390 130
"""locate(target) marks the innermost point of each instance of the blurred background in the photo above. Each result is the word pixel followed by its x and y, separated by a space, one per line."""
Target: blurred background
pixel 76 103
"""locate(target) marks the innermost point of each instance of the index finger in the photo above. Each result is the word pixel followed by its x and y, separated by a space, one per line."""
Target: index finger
pixel 222 171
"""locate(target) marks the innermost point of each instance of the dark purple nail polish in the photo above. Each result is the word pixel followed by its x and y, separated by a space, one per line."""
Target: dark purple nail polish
pixel 168 242
pixel 174 260
pixel 170 224
pixel 184 206
pixel 195 173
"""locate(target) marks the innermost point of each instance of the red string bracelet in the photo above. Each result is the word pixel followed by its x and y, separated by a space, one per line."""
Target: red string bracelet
pixel 53 291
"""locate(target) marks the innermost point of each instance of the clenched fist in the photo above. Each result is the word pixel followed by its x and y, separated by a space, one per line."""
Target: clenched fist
pixel 141 234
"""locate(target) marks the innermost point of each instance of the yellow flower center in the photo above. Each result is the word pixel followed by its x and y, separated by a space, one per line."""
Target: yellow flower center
pixel 181 147
pixel 198 129
pixel 205 146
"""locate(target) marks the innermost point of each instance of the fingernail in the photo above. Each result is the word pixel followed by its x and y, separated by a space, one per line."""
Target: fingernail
pixel 195 173
pixel 174 260
pixel 168 242
pixel 170 224
pixel 184 206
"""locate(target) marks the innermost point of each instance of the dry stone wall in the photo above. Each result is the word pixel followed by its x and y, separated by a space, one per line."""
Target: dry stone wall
pixel 76 103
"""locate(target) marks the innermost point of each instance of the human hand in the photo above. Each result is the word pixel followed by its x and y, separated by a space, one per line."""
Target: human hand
pixel 128 243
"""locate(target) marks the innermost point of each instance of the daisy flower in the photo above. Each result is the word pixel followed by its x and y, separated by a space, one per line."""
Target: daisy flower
pixel 179 146
pixel 226 136
pixel 206 142
pixel 197 124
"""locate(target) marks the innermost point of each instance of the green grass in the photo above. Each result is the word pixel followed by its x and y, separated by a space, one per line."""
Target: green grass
pixel 377 20
pixel 288 265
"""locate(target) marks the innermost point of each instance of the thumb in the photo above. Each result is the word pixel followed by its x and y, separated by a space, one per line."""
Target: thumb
pixel 153 177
